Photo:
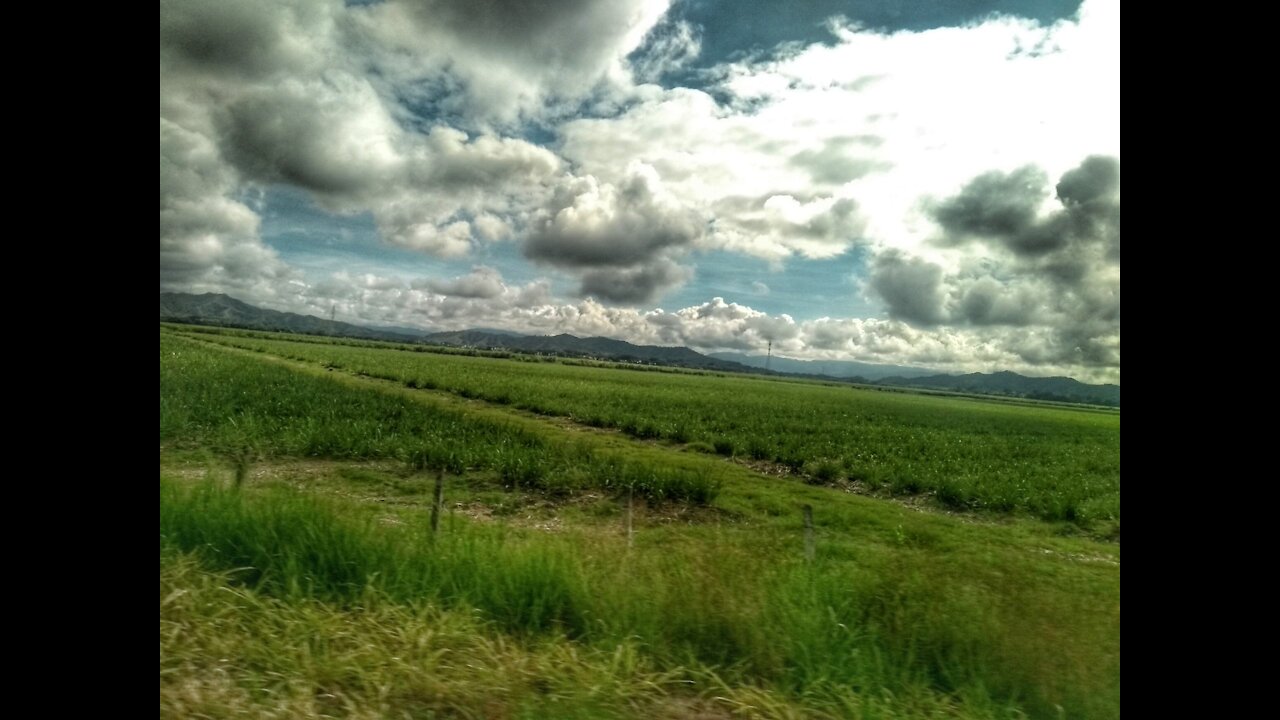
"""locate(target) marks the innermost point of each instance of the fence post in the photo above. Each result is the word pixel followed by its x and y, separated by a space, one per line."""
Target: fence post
pixel 808 532
pixel 631 536
pixel 439 501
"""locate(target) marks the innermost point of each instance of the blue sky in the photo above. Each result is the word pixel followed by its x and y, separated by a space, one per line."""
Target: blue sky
pixel 920 183
pixel 321 244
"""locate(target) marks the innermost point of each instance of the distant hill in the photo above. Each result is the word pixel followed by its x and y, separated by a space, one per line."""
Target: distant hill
pixel 592 347
pixel 411 332
pixel 830 368
pixel 1063 389
pixel 218 309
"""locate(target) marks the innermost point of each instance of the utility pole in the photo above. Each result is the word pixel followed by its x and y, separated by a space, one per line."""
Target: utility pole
pixel 768 357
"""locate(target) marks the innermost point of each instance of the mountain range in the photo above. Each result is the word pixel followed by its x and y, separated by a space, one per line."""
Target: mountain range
pixel 830 368
pixel 218 309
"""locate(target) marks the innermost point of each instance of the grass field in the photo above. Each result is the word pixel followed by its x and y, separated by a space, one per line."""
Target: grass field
pixel 299 576
pixel 1058 464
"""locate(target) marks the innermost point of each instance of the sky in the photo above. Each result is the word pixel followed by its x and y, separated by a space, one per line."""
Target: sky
pixel 920 183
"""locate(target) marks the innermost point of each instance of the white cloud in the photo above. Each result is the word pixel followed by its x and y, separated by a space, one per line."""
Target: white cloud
pixel 879 119
pixel 494 62
pixel 259 94
pixel 711 326
pixel 483 282
pixel 620 240
pixel 404 110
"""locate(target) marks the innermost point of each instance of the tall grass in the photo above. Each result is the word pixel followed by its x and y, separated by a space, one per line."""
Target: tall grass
pixel 904 623
pixel 227 650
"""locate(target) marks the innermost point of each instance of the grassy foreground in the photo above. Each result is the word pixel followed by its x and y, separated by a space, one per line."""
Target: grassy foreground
pixel 338 601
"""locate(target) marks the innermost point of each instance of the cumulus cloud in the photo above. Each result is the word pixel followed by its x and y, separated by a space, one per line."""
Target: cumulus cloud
pixel 242 39
pixel 620 239
pixel 507 59
pixel 985 301
pixel 838 161
pixel 912 287
pixel 589 223
pixel 1065 244
pixel 997 205
pixel 714 325
pixel 482 282
pixel 411 114
pixel 869 121
pixel 1006 208
pixel 720 325
pixel 281 93
pixel 1017 262
pixel 735 168
pixel 208 239
pixel 634 285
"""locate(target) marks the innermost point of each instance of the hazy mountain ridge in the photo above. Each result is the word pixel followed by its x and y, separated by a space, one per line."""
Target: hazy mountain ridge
pixel 1063 389
pixel 848 369
pixel 598 347
pixel 218 309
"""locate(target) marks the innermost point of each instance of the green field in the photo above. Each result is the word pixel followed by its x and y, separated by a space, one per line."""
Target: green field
pixel 299 576
pixel 1058 464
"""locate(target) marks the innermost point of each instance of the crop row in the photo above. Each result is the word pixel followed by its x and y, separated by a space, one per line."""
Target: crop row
pixel 1058 464
pixel 242 406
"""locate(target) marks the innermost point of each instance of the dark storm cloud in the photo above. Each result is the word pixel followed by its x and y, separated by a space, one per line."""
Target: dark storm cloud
pixel 1097 179
pixel 1091 196
pixel 514 26
pixel 993 205
pixel 1061 272
pixel 620 244
pixel 240 38
pixel 296 135
pixel 911 287
pixel 633 285
pixel 1061 269
pixel 1005 208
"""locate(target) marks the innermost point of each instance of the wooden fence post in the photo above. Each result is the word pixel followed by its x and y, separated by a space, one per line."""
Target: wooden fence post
pixel 631 536
pixel 808 532
pixel 439 501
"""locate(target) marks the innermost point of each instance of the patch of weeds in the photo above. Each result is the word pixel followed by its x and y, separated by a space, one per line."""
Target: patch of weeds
pixel 826 471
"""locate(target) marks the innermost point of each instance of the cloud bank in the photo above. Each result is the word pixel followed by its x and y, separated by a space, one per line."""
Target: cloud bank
pixel 975 168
